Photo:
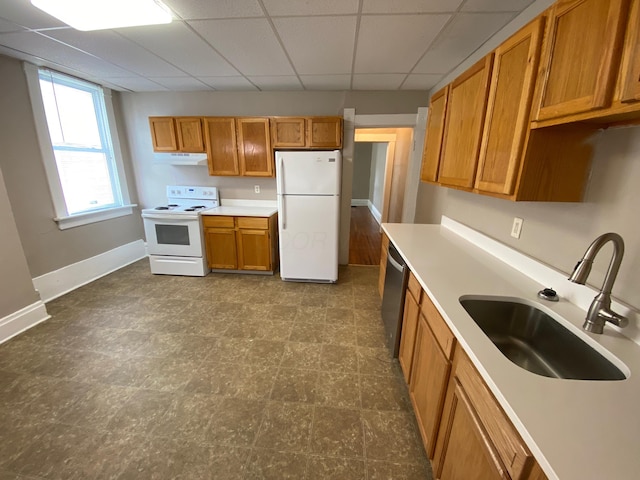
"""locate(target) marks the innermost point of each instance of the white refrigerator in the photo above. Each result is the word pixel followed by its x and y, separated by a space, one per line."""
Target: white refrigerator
pixel 308 190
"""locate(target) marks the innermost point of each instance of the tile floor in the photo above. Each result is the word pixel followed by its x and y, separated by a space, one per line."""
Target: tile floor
pixel 138 376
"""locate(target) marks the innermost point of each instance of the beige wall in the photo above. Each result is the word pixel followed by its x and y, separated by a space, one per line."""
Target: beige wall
pixel 151 179
pixel 15 279
pixel 361 170
pixel 46 247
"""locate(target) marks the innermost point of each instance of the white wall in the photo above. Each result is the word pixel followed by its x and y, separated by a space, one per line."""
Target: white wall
pixel 376 182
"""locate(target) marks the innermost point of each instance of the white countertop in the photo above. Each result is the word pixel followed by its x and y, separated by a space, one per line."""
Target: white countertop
pixel 242 211
pixel 576 429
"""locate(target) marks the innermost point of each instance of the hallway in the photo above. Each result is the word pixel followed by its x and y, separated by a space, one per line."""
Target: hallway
pixel 365 238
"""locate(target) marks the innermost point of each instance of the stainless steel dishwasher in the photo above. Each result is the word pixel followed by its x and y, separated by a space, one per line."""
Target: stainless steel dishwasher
pixel 395 284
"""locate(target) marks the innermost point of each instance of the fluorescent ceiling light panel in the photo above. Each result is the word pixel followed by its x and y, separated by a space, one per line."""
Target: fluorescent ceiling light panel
pixel 101 14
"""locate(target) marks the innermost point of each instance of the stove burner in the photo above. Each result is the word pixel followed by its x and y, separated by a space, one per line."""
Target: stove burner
pixel 189 209
pixel 162 208
pixel 197 206
pixel 173 205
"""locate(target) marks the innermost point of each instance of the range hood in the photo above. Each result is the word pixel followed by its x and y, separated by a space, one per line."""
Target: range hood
pixel 180 158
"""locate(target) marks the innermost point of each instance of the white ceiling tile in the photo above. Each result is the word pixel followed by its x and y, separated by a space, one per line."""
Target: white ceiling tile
pixel 318 45
pixel 7 26
pixel 113 48
pixel 277 82
pixel 394 43
pixel 52 52
pixel 382 81
pixel 25 14
pixel 326 82
pixel 464 35
pixel 228 83
pixel 205 9
pixel 496 5
pixel 420 82
pixel 180 83
pixel 137 84
pixel 249 44
pixel 172 42
pixel 310 7
pixel 410 6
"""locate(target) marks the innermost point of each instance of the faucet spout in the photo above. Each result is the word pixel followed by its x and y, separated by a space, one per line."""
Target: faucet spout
pixel 600 309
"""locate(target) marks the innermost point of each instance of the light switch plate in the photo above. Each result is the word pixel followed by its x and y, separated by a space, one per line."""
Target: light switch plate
pixel 516 228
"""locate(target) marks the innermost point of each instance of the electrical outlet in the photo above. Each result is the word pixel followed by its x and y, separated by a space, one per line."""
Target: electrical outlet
pixel 256 188
pixel 516 228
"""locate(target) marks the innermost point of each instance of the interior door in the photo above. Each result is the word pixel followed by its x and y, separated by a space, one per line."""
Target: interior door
pixel 308 228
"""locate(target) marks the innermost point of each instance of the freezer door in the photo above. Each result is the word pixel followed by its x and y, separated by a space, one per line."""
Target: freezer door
pixel 308 228
pixel 308 173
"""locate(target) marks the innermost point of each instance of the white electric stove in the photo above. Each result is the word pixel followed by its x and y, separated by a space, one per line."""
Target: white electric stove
pixel 174 233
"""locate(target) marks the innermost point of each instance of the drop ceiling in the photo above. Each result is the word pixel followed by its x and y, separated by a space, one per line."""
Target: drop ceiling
pixel 266 44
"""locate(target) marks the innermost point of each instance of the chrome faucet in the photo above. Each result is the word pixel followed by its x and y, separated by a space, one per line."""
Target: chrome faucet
pixel 600 309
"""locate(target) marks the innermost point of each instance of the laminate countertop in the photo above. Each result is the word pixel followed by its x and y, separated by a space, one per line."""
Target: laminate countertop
pixel 242 211
pixel 576 429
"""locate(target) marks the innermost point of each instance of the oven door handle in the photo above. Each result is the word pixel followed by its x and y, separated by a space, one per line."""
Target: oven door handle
pixel 170 218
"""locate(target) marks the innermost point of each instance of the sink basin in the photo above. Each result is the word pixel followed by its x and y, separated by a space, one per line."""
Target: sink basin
pixel 537 342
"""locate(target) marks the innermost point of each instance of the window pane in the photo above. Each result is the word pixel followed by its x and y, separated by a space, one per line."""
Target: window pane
pixel 71 115
pixel 85 180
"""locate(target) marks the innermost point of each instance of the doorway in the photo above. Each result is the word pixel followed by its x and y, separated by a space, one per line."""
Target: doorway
pixel 380 163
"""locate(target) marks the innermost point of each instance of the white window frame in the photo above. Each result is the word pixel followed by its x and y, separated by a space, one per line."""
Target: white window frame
pixel 63 218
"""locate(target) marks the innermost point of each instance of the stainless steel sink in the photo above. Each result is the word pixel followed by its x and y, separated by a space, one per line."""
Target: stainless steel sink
pixel 537 342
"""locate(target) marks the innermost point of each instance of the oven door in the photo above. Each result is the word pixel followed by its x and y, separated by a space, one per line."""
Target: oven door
pixel 177 235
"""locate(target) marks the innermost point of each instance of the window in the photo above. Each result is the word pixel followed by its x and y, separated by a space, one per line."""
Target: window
pixel 74 119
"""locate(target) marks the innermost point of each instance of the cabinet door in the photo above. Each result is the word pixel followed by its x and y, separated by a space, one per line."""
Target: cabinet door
pixel 464 449
pixel 463 125
pixel 222 150
pixel 189 130
pixel 507 120
pixel 254 250
pixel 254 147
pixel 288 132
pixel 429 377
pixel 324 132
pixel 433 137
pixel 408 335
pixel 631 76
pixel 581 57
pixel 221 248
pixel 163 134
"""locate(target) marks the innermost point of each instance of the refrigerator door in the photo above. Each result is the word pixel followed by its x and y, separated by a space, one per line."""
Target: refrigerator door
pixel 308 228
pixel 308 173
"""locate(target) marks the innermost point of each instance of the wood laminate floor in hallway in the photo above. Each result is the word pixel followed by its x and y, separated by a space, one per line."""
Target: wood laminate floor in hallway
pixel 226 377
pixel 365 238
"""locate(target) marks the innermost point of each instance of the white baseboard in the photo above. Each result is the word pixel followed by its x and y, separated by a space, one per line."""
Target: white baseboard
pixel 22 320
pixel 374 211
pixel 54 284
pixel 359 202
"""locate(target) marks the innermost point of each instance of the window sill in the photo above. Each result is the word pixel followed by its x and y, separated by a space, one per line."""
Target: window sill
pixel 80 219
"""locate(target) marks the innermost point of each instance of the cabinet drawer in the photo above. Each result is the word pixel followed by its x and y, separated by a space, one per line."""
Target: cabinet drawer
pixel 217 221
pixel 510 447
pixel 445 338
pixel 261 223
pixel 414 287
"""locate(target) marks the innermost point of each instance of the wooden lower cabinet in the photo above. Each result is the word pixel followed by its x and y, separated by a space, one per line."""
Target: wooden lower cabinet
pixel 241 243
pixel 409 329
pixel 430 374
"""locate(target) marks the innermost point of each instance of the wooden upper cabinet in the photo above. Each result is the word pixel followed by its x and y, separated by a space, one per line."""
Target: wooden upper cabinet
pixel 222 150
pixel 306 132
pixel 254 147
pixel 463 125
pixel 288 132
pixel 581 56
pixel 507 120
pixel 163 134
pixel 630 78
pixel 433 137
pixel 324 132
pixel 189 131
